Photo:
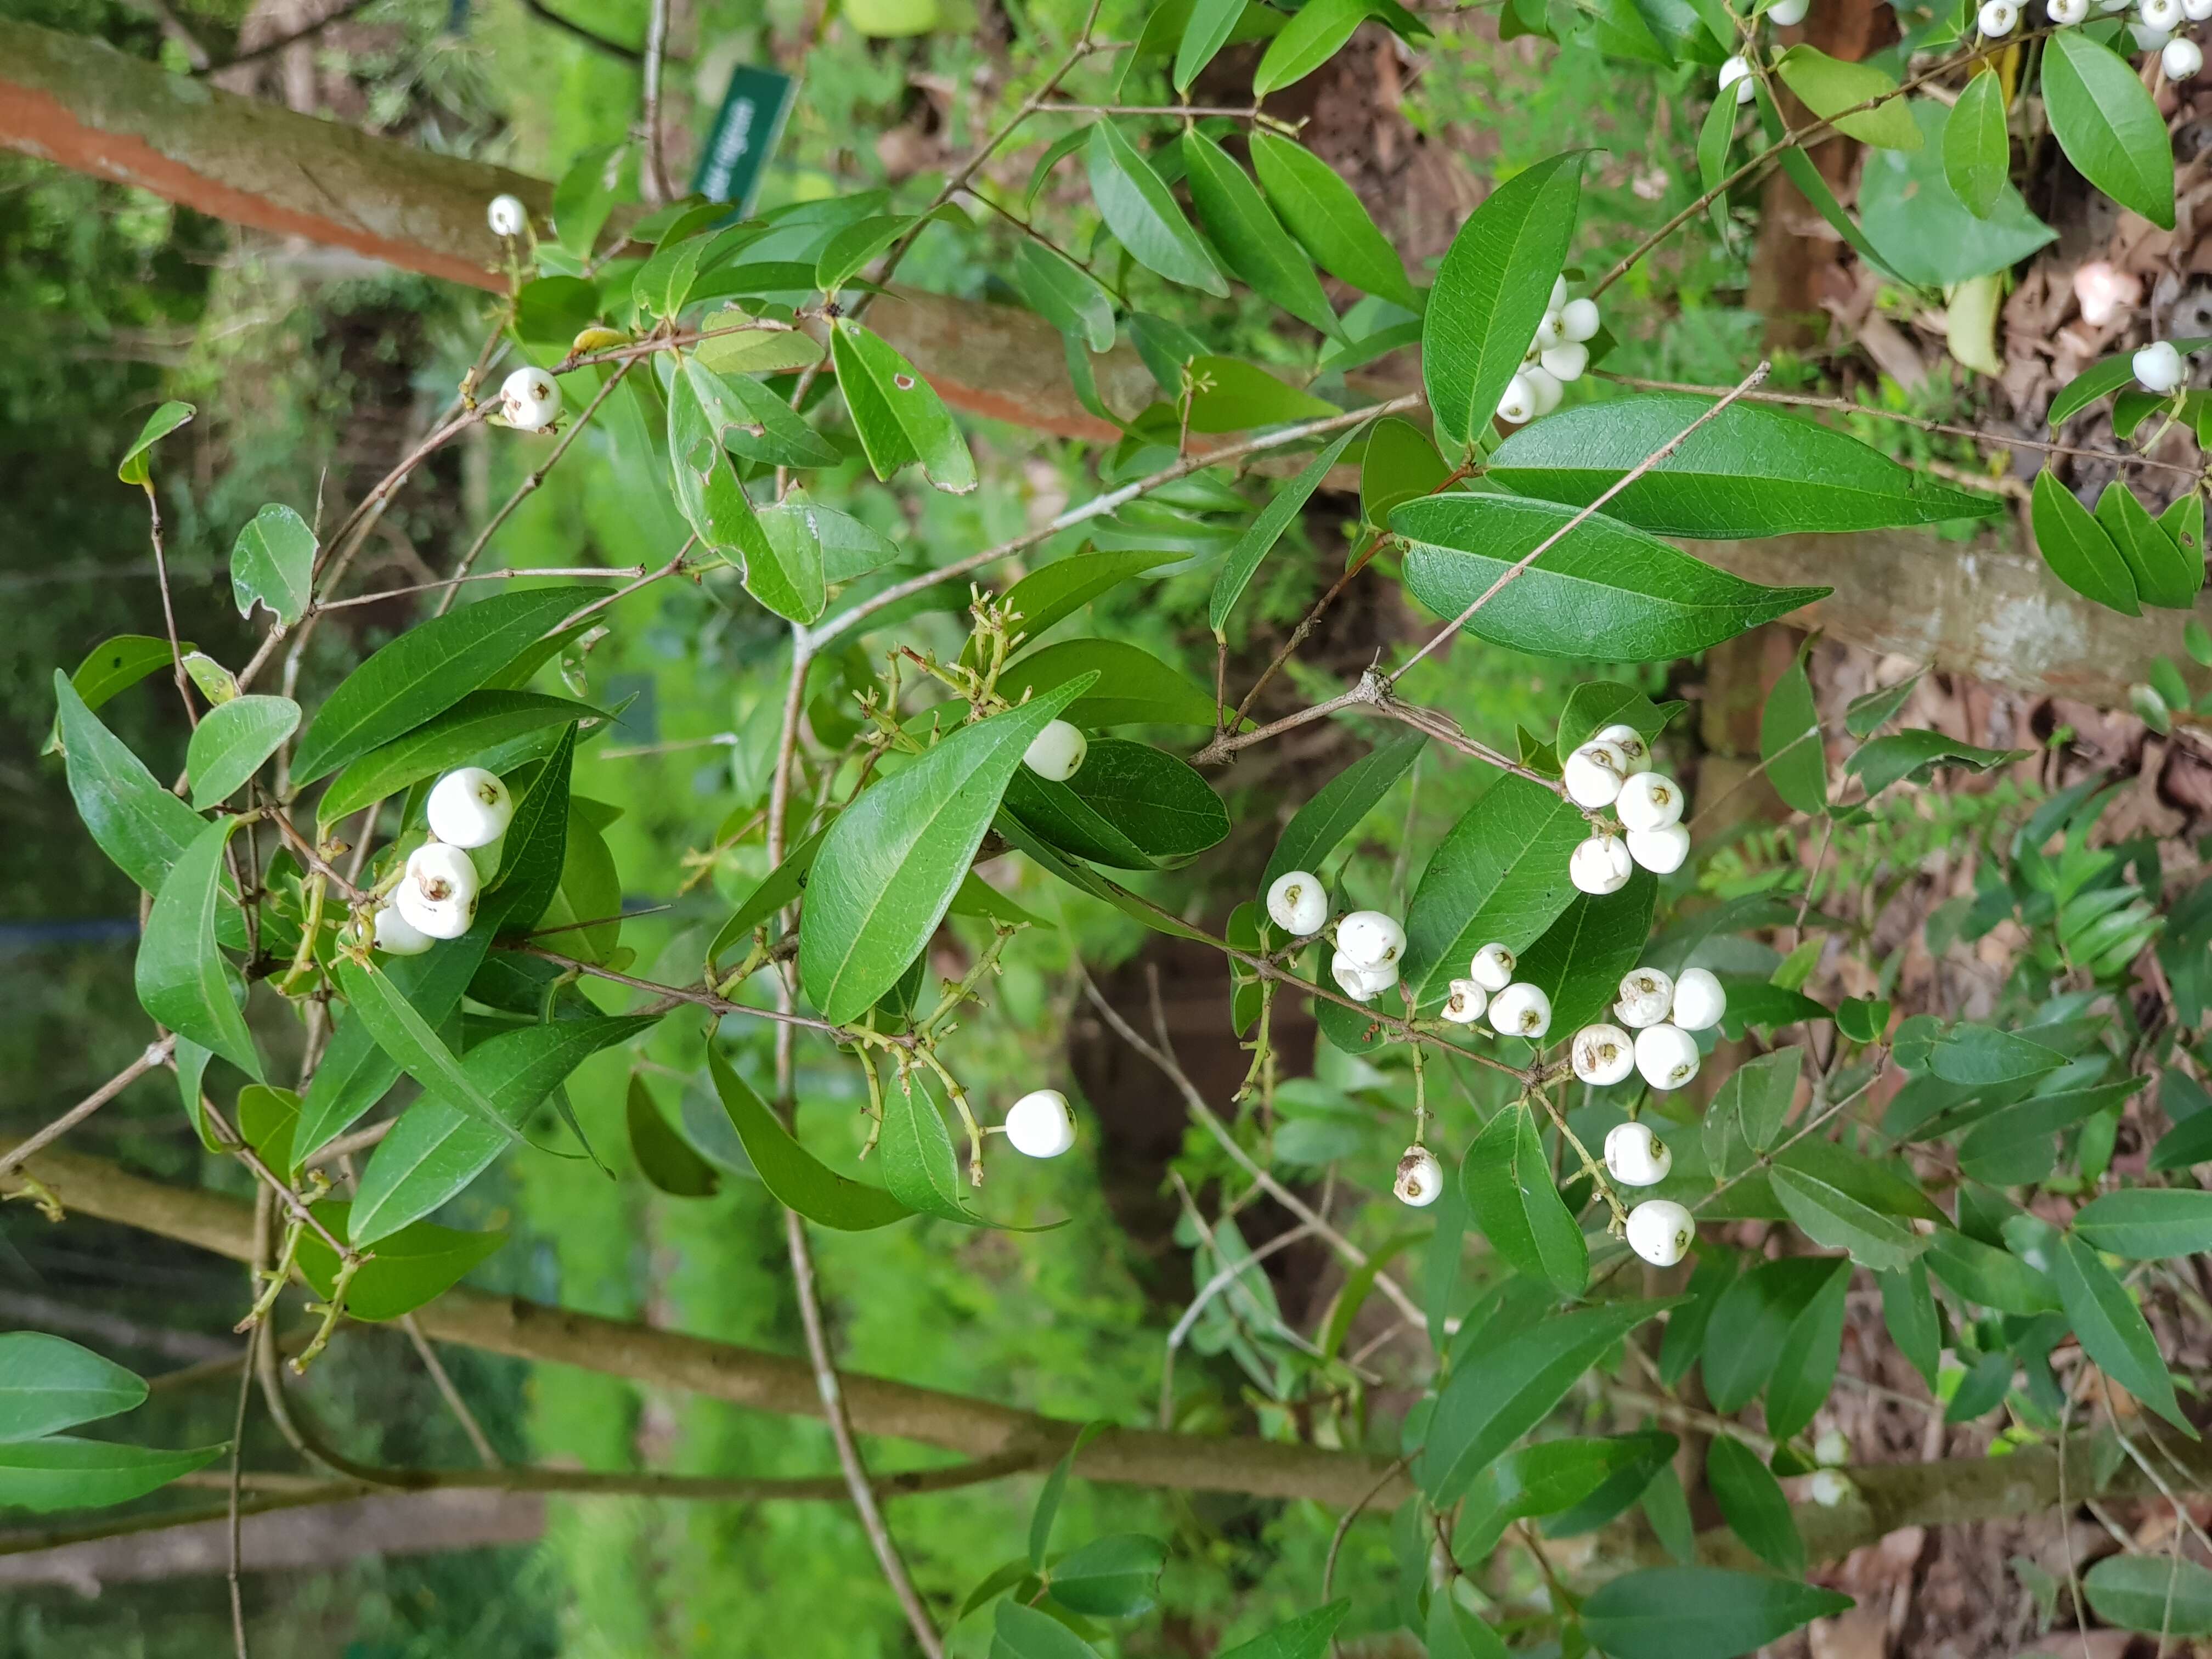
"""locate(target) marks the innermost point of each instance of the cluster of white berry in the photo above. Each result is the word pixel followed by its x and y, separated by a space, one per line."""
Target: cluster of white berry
pixel 1659 1229
pixel 1041 1124
pixel 1368 945
pixel 1736 71
pixel 1613 769
pixel 1559 353
pixel 1663 1013
pixel 1830 1485
pixel 2156 27
pixel 2159 366
pixel 436 898
pixel 1516 1008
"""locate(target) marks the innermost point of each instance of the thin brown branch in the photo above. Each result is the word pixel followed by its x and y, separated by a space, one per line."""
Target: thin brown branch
pixel 155 1053
pixel 656 49
pixel 685 993
pixel 284 42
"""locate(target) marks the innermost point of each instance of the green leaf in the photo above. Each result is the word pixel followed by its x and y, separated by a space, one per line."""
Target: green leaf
pixel 47 1383
pixel 2013 1146
pixel 1751 1322
pixel 1836 1220
pixel 1752 1503
pixel 1129 806
pixel 899 415
pixel 137 466
pixel 482 729
pixel 784 575
pixel 2162 574
pixel 590 891
pixel 1580 960
pixel 1312 37
pixel 435 1150
pixel 1504 1390
pixel 1229 395
pixel 422 673
pixel 1989 1277
pixel 1790 743
pixel 1508 1182
pixel 921 1170
pixel 2105 120
pixel 381 1005
pixel 1306 1636
pixel 1339 806
pixel 751 420
pixel 1603 590
pixel 1628 1462
pixel 117 665
pixel 1916 756
pixel 1328 219
pixel 1875 709
pixel 1908 1308
pixel 1499 874
pixel 1259 540
pixel 1206 33
pixel 1596 704
pixel 1829 85
pixel 729 346
pixel 1863 1019
pixel 1752 1103
pixel 273 562
pixel 1399 465
pixel 1048 595
pixel 2162 1594
pixel 2111 1328
pixel 417 1264
pixel 1814 187
pixel 1982 1054
pixel 1065 295
pixel 231 743
pixel 63 1472
pixel 776 889
pixel 2145 1223
pixel 141 827
pixel 1257 247
pixel 1748 472
pixel 1456 1633
pixel 1132 686
pixel 794 1176
pixel 1142 215
pixel 1700 1613
pixel 664 1158
pixel 1023 1633
pixel 183 979
pixel 1977 147
pixel 1116 1576
pixel 891 862
pixel 1491 293
pixel 1805 1368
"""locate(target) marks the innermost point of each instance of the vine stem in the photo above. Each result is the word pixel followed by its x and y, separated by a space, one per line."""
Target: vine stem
pixel 156 1054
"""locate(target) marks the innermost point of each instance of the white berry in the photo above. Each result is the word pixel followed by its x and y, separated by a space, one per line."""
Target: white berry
pixel 1635 1157
pixel 2147 39
pixel 1298 902
pixel 2196 11
pixel 2165 14
pixel 470 807
pixel 1057 751
pixel 1660 851
pixel 1667 1055
pixel 1522 1011
pixel 1736 73
pixel 1421 1180
pixel 529 398
pixel 1699 1001
pixel 1559 294
pixel 1832 1450
pixel 1828 1488
pixel 1361 984
pixel 1788 14
pixel 1518 405
pixel 1566 360
pixel 1368 939
pixel 1998 18
pixel 507 215
pixel 1594 774
pixel 438 894
pixel 1645 995
pixel 1603 1055
pixel 1492 967
pixel 1601 865
pixel 1661 1232
pixel 2181 59
pixel 1548 333
pixel 1040 1124
pixel 1578 320
pixel 1631 743
pixel 2067 11
pixel 1546 389
pixel 1465 1005
pixel 1649 800
pixel 396 936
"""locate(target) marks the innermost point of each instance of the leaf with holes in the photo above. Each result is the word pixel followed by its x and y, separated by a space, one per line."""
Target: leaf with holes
pixel 273 564
pixel 901 419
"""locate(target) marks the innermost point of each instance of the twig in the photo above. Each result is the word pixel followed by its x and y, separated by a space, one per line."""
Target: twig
pixel 449 1393
pixel 168 606
pixel 688 993
pixel 582 572
pixel 656 44
pixel 156 1054
pixel 545 14
pixel 1221 1281
pixel 237 1472
pixel 271 48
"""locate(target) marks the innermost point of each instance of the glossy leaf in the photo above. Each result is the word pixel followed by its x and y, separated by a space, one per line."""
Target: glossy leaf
pixel 1837 1220
pixel 1065 295
pixel 1989 1277
pixel 2145 1223
pixel 1206 31
pixel 1604 590
pixel 136 466
pixel 664 1158
pixel 1229 395
pixel 1749 472
pixel 1141 214
pixel 899 415
pixel 1579 961
pixel 63 1472
pixel 1313 36
pixel 535 859
pixel 273 564
pixel 785 577
pixel 2105 120
pixel 1306 1636
pixel 422 673
pixel 1925 233
pixel 1022 1632
pixel 1399 465
pixel 1339 806
pixel 891 862
pixel 1507 1180
pixel 1751 1322
pixel 417 1264
pixel 1916 756
pixel 1115 1577
pixel 231 743
pixel 183 979
pixel 1790 743
pixel 1133 687
pixel 1129 806
pixel 1700 1613
pixel 731 343
pixel 2164 574
pixel 773 892
pixel 1490 293
pixel 48 1384
pixel 1499 874
pixel 1976 148
pixel 435 1150
pixel 1245 230
pixel 754 422
pixel 1752 1503
pixel 794 1176
pixel 1267 529
pixel 1056 591
pixel 1456 1633
pixel 1805 1368
pixel 2161 1594
pixel 1908 1310
pixel 1328 219
pixel 482 729
pixel 2111 1328
pixel 401 1030
pixel 1831 85
pixel 140 826
pixel 921 1169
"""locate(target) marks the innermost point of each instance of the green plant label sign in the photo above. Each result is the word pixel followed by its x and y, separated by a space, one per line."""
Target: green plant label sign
pixel 746 132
